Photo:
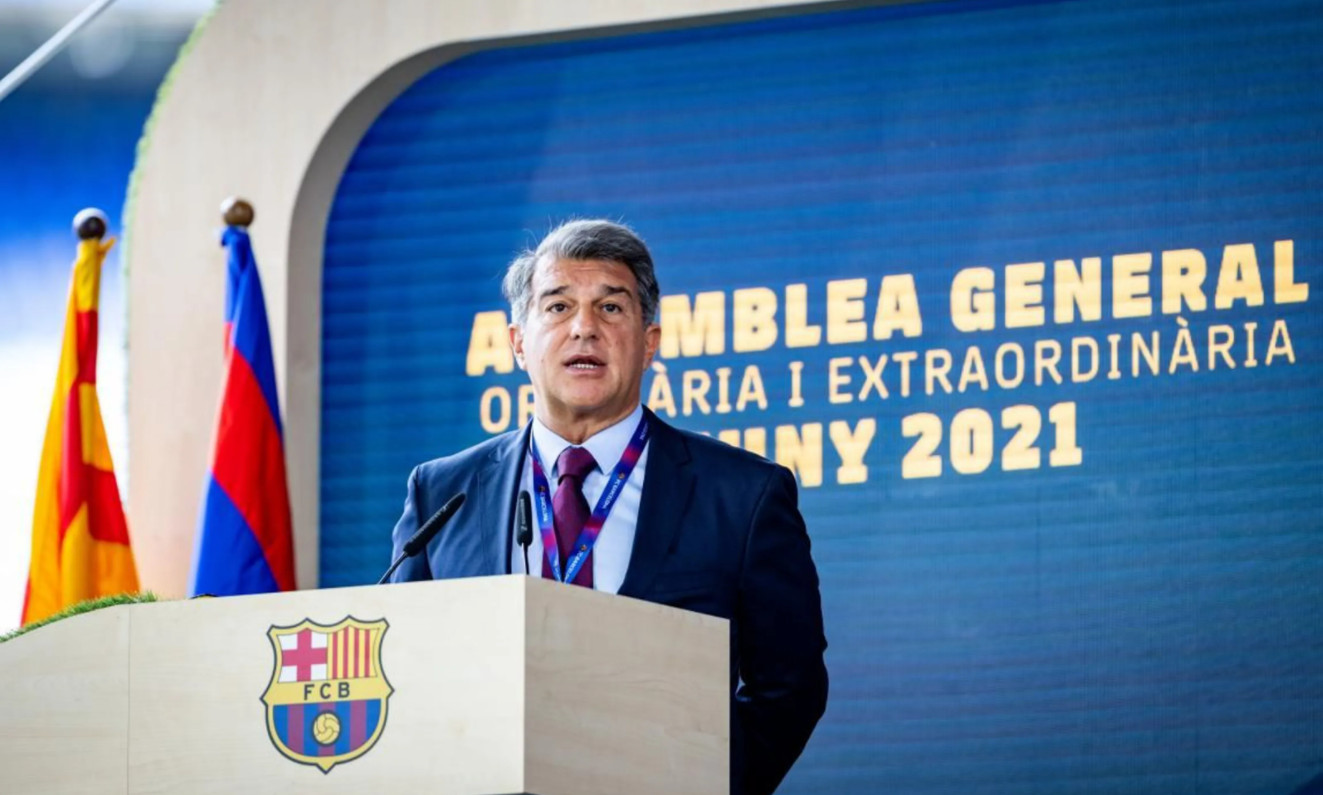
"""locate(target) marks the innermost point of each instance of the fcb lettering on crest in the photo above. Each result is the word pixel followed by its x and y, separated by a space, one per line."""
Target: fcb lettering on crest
pixel 326 702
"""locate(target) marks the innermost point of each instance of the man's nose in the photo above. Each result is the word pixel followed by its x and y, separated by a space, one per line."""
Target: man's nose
pixel 584 323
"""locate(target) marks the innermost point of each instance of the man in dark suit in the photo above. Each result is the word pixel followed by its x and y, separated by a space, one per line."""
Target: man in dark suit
pixel 697 524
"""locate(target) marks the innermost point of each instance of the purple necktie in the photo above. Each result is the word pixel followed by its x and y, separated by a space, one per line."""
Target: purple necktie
pixel 570 510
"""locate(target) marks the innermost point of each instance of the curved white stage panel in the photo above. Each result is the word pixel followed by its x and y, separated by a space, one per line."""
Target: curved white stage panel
pixel 268 102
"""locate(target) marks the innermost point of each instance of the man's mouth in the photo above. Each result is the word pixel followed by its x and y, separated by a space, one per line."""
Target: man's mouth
pixel 584 363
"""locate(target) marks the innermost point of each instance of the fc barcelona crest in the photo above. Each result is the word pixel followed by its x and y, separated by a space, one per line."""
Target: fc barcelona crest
pixel 326 703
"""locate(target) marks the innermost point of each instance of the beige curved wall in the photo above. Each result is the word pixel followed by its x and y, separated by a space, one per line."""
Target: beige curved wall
pixel 269 104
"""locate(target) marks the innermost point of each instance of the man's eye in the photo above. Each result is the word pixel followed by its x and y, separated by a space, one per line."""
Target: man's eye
pixel 557 307
pixel 611 308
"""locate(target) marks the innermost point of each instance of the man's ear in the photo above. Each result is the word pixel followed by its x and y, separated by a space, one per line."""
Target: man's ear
pixel 651 341
pixel 517 344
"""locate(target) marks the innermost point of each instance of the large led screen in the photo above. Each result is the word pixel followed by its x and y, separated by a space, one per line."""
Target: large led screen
pixel 1022 292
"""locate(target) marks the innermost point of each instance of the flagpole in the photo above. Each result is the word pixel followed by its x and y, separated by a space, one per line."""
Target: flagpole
pixel 47 51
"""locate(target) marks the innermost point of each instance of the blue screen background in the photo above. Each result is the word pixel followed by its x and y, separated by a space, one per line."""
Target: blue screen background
pixel 1146 621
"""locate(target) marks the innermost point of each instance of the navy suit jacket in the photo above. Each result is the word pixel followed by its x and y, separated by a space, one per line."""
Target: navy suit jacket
pixel 719 532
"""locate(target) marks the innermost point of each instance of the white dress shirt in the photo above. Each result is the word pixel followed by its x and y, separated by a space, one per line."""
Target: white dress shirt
pixel 610 556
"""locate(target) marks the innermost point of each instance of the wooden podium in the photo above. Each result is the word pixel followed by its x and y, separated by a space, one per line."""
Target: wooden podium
pixel 484 686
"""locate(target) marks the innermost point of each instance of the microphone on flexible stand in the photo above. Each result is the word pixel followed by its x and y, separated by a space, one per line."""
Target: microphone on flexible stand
pixel 524 525
pixel 425 534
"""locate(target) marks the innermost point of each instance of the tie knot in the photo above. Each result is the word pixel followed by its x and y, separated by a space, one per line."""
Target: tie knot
pixel 575 462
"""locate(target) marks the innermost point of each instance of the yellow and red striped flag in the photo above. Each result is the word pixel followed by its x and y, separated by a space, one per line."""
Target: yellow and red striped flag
pixel 80 542
pixel 349 653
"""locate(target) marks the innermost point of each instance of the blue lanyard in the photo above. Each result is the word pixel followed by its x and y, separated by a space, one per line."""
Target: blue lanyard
pixel 593 527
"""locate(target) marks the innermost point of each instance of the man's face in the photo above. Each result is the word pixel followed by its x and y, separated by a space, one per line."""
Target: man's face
pixel 584 343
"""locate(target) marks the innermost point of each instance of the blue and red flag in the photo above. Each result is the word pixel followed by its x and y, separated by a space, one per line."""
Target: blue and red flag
pixel 245 544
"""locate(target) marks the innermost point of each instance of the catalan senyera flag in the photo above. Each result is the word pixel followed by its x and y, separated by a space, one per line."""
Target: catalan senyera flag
pixel 244 542
pixel 80 541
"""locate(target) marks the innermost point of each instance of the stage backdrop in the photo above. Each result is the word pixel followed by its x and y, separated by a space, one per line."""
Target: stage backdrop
pixel 1025 293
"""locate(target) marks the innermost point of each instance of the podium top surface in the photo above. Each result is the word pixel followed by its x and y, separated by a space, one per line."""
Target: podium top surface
pixel 479 686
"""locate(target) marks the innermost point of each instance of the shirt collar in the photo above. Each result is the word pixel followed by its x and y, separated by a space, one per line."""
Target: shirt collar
pixel 607 445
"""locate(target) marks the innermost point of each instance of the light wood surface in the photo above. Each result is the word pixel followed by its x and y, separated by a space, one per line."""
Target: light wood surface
pixel 631 672
pixel 64 706
pixel 501 685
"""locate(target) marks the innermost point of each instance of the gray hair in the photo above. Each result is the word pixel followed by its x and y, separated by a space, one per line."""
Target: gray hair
pixel 594 239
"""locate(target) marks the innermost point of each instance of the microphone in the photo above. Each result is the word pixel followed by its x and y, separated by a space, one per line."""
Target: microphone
pixel 425 534
pixel 524 525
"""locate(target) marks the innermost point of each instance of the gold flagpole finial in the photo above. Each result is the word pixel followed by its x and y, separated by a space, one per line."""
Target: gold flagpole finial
pixel 90 224
pixel 237 212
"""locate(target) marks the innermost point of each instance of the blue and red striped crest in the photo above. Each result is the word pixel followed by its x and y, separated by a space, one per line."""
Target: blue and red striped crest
pixel 326 702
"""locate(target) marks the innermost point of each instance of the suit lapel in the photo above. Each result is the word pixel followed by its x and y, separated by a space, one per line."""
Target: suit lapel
pixel 498 484
pixel 668 484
